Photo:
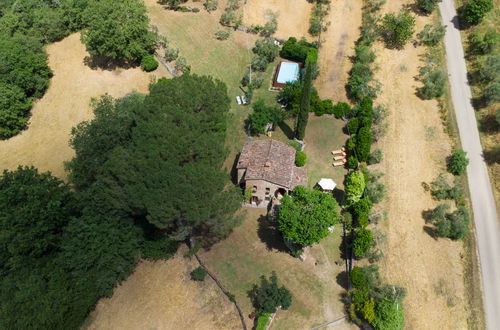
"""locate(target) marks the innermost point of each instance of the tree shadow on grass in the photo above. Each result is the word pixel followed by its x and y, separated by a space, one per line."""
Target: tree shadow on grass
pixel 106 63
pixel 342 279
pixel 287 130
pixel 492 156
pixel 270 235
pixel 488 124
pixel 426 214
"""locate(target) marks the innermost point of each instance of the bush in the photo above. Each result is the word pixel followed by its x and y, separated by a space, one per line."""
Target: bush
pixel 434 81
pixel 341 109
pixel 352 162
pixel 427 6
pixel 300 158
pixel 148 63
pixel 397 30
pixel 441 189
pixel 375 157
pixel 474 11
pixel 316 23
pixel 363 241
pixel 458 162
pixel 322 107
pixel 490 69
pixel 295 51
pixel 269 28
pixel 431 34
pixel 354 186
pixel 181 64
pixel 222 34
pixel 211 5
pixel 265 48
pixel 171 54
pixel 361 209
pixel 199 274
pixel 262 321
pixel 364 54
pixel 363 143
pixel 481 44
pixel 353 125
pixel 452 225
pixel 295 145
pixel 375 191
pixel 492 93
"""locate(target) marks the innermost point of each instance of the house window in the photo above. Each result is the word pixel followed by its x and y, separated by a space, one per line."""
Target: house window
pixel 254 189
pixel 268 191
pixel 267 198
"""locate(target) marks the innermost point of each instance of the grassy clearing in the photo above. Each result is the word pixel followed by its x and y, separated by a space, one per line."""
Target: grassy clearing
pixel 256 248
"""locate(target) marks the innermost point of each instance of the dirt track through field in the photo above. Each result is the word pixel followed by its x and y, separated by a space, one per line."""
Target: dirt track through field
pixel 336 48
pixel 44 144
pixel 415 149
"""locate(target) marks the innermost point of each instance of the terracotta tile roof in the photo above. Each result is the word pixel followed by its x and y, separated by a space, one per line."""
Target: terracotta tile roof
pixel 271 161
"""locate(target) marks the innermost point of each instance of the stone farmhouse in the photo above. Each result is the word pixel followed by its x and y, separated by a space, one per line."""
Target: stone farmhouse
pixel 267 168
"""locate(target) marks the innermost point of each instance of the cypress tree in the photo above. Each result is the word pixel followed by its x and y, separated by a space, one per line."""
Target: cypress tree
pixel 305 101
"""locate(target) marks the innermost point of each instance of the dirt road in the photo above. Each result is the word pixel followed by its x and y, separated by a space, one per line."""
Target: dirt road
pixel 483 202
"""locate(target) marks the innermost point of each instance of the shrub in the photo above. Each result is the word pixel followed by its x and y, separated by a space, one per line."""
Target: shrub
pixel 363 54
pixel 434 81
pixel 199 274
pixel 398 29
pixel 181 64
pixel 379 113
pixel 300 158
pixel 361 210
pixel 353 125
pixel 352 162
pixel 431 34
pixel 452 225
pixel 490 69
pixel 222 34
pixel 363 143
pixel 148 63
pixel 354 186
pixel 458 162
pixel 262 321
pixel 266 48
pixel 295 145
pixel 375 191
pixel 427 6
pixel 482 44
pixel 474 11
pixel 211 5
pixel 341 109
pixel 322 107
pixel 171 54
pixel 316 23
pixel 295 50
pixel 389 314
pixel 363 241
pixel 492 93
pixel 441 189
pixel 375 157
pixel 270 27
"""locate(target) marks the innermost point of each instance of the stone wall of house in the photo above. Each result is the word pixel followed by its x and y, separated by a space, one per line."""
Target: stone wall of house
pixel 263 190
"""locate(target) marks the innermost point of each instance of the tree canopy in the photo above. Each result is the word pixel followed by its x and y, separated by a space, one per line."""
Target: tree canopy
pixel 397 29
pixel 354 186
pixel 268 295
pixel 159 157
pixel 305 215
pixel 118 30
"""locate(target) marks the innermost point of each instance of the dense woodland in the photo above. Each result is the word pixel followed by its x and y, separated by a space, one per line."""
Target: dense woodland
pixel 111 30
pixel 146 175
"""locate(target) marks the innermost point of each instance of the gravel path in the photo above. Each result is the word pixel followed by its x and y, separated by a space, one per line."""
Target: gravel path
pixel 483 202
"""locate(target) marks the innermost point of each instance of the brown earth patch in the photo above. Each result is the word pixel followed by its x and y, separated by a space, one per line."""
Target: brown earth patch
pixel 44 144
pixel 293 16
pixel 415 148
pixel 337 45
pixel 161 295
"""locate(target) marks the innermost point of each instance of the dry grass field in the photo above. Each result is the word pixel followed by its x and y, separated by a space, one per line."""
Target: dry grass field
pixel 161 295
pixel 415 148
pixel 337 45
pixel 293 16
pixel 44 144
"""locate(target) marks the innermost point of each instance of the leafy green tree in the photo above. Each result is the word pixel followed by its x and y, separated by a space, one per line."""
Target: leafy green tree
pixel 389 315
pixel 211 5
pixel 268 296
pixel 296 50
pixel 165 163
pixel 363 241
pixel 492 93
pixel 354 186
pixel 458 162
pixel 490 69
pixel 265 48
pixel 118 30
pixel 431 34
pixel 263 115
pixel 474 11
pixel 199 274
pixel 148 63
pixel 171 54
pixel 361 210
pixel 305 215
pixel 427 6
pixel 397 29
pixel 290 96
pixel 34 208
pixel 14 107
pixel 341 109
